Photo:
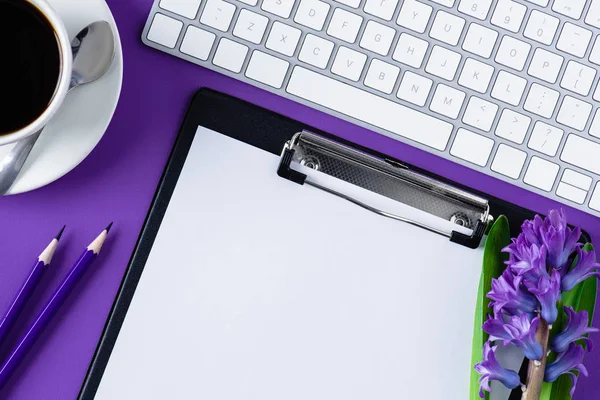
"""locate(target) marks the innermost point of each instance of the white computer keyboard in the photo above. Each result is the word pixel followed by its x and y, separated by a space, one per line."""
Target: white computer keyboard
pixel 509 88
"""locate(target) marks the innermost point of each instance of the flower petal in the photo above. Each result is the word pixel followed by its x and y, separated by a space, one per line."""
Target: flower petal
pixel 490 369
pixel 565 362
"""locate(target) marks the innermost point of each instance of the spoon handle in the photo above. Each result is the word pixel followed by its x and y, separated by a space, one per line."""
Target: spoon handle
pixel 11 165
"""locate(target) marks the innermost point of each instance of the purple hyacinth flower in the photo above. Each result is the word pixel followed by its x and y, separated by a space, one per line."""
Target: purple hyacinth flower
pixel 560 240
pixel 520 331
pixel 490 369
pixel 547 291
pixel 509 295
pixel 495 328
pixel 531 230
pixel 583 269
pixel 576 328
pixel 566 362
pixel 528 260
pixel 523 331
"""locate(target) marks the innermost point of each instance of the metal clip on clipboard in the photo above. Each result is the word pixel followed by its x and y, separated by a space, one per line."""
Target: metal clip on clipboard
pixel 387 178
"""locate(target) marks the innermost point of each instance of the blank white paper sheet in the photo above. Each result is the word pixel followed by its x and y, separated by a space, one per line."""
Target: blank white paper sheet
pixel 258 288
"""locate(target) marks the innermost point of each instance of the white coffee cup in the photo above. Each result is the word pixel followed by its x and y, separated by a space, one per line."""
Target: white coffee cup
pixel 64 79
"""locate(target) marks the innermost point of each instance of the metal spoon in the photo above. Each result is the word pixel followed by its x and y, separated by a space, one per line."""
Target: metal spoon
pixel 93 52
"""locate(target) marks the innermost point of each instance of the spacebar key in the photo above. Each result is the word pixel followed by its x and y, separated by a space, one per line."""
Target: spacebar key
pixel 367 107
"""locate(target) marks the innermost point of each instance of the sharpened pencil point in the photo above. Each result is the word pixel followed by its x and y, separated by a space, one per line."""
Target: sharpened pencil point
pixel 108 227
pixel 57 237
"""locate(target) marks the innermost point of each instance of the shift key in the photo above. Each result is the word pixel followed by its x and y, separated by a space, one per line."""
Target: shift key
pixel 582 153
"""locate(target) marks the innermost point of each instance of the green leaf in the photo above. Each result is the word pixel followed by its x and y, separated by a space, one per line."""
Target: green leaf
pixel 493 266
pixel 581 297
pixel 494 258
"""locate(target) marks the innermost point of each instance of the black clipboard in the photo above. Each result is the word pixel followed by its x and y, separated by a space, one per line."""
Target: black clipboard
pixel 255 126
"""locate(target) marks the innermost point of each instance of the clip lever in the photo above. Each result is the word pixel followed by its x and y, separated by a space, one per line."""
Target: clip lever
pixel 388 178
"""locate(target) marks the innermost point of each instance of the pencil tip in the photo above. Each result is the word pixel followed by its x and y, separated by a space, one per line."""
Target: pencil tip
pixel 108 227
pixel 57 237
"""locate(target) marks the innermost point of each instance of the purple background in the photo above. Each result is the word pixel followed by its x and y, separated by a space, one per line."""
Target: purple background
pixel 117 182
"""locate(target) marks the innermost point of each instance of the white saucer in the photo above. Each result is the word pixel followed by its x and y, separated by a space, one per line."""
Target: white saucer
pixel 83 118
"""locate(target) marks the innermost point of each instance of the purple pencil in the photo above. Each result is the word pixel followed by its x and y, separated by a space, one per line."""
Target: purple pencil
pixel 56 300
pixel 28 287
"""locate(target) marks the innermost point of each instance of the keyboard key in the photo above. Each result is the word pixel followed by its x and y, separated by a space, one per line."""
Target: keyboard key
pixel 410 50
pixel 377 38
pixel 597 93
pixel 476 75
pixel 447 101
pixel 578 78
pixel 443 63
pixel 509 15
pixel 595 200
pixel 218 14
pixel 267 69
pixel 348 63
pixel 185 8
pixel 545 65
pixel 249 2
pixel 513 126
pixel 542 3
pixel 447 3
pixel 570 8
pixel 382 76
pixel 582 153
pixel 572 193
pixel 344 25
pixel 509 161
pixel 480 40
pixel 595 128
pixel 595 55
pixel 197 43
pixel 472 147
pixel 230 55
pixel 283 8
pixel 541 174
pixel 577 179
pixel 283 39
pixel 165 30
pixel 312 13
pixel 545 138
pixel 316 51
pixel 574 113
pixel 414 88
pixel 480 114
pixel 383 9
pixel 509 88
pixel 351 3
pixel 360 104
pixel 593 15
pixel 513 53
pixel 574 40
pixel 414 15
pixel 447 28
pixel 541 100
pixel 250 26
pixel 475 8
pixel 541 27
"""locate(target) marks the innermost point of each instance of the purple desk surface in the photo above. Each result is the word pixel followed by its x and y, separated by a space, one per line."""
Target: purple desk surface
pixel 117 181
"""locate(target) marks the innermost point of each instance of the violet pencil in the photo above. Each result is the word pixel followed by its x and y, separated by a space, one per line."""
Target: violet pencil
pixel 28 287
pixel 56 300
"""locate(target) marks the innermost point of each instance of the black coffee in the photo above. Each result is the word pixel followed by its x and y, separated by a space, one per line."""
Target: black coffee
pixel 29 64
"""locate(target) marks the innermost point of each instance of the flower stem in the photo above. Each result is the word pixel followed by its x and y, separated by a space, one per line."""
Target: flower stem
pixel 535 373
